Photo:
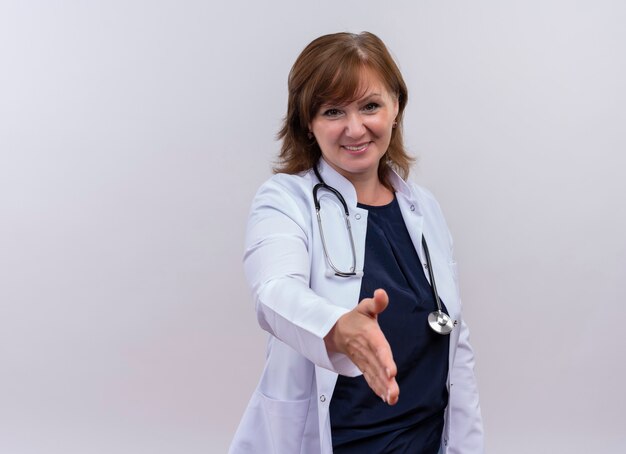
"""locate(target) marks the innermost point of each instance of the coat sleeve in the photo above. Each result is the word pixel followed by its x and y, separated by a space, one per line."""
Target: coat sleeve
pixel 277 266
pixel 466 426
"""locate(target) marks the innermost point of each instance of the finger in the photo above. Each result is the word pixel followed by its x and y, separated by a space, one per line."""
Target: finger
pixel 374 306
pixel 381 297
pixel 387 389
pixel 388 372
pixel 384 356
pixel 382 369
pixel 393 393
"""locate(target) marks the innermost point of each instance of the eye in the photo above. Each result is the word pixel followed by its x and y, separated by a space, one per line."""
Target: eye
pixel 371 107
pixel 331 113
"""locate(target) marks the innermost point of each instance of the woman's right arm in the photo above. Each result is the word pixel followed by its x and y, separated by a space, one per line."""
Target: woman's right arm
pixel 277 265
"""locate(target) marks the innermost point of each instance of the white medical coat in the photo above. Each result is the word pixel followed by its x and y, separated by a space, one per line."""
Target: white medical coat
pixel 298 301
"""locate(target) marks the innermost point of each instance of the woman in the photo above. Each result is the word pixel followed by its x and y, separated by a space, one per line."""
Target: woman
pixel 337 255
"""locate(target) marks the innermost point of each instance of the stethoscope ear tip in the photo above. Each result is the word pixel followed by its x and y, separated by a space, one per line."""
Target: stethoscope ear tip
pixel 333 274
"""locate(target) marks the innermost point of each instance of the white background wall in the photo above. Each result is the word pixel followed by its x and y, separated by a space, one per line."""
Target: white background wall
pixel 133 135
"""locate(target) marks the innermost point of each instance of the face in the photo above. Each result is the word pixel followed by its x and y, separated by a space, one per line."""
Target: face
pixel 355 136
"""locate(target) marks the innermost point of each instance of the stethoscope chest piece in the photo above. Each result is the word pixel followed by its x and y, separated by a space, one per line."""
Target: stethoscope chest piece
pixel 440 322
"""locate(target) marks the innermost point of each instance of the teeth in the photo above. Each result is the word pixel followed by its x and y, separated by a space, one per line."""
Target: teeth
pixel 359 148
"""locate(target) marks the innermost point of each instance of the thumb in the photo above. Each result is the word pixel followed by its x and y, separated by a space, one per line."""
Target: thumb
pixel 374 306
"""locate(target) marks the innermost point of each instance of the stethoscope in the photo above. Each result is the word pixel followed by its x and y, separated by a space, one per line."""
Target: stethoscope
pixel 438 320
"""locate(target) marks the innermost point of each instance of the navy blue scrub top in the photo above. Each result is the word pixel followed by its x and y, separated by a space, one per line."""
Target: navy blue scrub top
pixel 360 421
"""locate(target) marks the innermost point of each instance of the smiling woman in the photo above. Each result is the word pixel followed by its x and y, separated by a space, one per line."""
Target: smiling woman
pixel 332 71
pixel 345 339
pixel 354 137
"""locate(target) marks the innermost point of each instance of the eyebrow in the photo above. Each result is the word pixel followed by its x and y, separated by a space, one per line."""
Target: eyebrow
pixel 371 95
pixel 364 98
pixel 360 100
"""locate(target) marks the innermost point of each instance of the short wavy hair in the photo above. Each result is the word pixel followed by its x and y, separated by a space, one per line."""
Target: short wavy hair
pixel 329 70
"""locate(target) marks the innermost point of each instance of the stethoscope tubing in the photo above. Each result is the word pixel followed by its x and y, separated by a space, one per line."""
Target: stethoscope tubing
pixel 323 185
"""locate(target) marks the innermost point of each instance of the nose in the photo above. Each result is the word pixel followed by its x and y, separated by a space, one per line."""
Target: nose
pixel 355 127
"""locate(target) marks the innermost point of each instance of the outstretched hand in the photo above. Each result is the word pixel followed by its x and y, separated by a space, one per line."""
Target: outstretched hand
pixel 358 335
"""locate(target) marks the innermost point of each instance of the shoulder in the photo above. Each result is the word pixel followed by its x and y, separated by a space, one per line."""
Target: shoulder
pixel 419 194
pixel 432 212
pixel 284 194
pixel 422 192
pixel 289 183
pixel 425 198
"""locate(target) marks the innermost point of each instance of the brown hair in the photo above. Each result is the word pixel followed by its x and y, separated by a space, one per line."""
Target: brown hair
pixel 329 70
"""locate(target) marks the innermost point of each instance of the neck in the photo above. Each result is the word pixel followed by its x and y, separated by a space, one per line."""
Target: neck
pixel 368 187
pixel 371 191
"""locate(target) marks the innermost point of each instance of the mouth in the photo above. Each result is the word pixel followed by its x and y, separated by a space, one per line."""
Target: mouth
pixel 356 148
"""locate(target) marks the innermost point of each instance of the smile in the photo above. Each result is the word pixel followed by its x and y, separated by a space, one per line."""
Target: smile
pixel 357 148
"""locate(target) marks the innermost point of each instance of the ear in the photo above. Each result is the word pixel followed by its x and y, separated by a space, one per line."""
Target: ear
pixel 396 107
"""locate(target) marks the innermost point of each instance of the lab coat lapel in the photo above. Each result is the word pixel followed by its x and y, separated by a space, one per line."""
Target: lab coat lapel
pixel 411 213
